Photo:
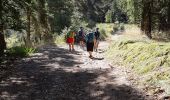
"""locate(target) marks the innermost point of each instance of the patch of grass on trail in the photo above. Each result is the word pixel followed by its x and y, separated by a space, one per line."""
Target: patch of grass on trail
pixel 20 51
pixel 149 60
pixel 59 39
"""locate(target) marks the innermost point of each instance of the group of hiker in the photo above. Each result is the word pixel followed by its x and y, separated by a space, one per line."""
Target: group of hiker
pixel 89 40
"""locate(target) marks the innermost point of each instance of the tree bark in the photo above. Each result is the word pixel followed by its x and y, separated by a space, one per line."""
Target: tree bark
pixel 2 38
pixel 43 19
pixel 28 38
pixel 146 24
pixel 1 8
pixel 169 16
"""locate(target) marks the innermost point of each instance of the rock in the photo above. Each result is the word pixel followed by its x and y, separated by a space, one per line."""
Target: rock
pixel 159 91
pixel 164 98
pixel 78 66
pixel 167 97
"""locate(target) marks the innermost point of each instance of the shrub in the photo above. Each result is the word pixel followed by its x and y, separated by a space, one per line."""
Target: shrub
pixel 60 39
pixel 14 40
pixel 108 17
pixel 20 51
pixel 106 30
pixel 115 28
pixel 122 27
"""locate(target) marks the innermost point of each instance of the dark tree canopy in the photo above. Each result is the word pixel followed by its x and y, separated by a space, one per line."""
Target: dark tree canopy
pixel 39 18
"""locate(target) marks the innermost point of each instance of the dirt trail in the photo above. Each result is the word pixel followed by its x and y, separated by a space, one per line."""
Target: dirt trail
pixel 56 74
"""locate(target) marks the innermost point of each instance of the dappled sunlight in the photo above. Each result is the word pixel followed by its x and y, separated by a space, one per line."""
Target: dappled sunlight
pixel 84 49
pixel 58 74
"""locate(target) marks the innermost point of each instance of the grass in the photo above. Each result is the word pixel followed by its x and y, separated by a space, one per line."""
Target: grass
pixel 20 51
pixel 132 29
pixel 16 48
pixel 60 39
pixel 148 59
pixel 108 29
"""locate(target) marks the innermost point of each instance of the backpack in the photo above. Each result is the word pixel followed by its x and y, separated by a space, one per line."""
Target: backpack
pixel 97 35
pixel 90 38
pixel 80 34
pixel 70 35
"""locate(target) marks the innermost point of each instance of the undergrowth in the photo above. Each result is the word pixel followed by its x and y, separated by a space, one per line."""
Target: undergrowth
pixel 105 30
pixel 148 59
pixel 60 39
pixel 20 51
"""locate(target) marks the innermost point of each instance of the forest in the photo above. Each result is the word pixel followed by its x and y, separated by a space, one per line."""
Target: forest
pixel 42 18
pixel 139 31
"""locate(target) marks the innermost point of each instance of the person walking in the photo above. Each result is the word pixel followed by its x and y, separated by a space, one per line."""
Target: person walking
pixel 90 41
pixel 97 37
pixel 70 40
pixel 81 37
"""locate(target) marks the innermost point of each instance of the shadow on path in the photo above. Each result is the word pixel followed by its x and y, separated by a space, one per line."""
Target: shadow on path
pixel 52 76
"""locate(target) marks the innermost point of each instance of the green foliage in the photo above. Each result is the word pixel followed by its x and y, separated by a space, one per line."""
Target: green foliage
pixel 118 27
pixel 77 22
pixel 122 27
pixel 93 11
pixel 14 40
pixel 10 14
pixel 115 28
pixel 60 39
pixel 53 16
pixel 103 34
pixel 20 51
pixel 106 30
pixel 61 11
pixel 108 16
pixel 147 58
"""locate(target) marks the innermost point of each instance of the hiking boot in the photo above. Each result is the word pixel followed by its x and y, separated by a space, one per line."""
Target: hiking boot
pixel 91 57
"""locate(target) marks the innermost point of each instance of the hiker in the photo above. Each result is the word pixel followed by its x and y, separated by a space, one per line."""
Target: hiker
pixel 2 41
pixel 81 37
pixel 97 37
pixel 90 41
pixel 70 40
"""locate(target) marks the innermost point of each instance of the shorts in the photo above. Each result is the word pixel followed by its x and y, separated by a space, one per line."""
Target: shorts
pixel 70 40
pixel 90 46
pixel 81 39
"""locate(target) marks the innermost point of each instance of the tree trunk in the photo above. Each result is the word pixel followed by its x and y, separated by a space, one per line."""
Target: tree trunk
pixel 28 38
pixel 146 25
pixel 142 21
pixel 168 17
pixel 43 19
pixel 1 8
pixel 162 23
pixel 37 29
pixel 2 38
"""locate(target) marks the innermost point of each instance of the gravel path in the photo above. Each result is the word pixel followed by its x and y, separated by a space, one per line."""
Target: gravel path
pixel 56 74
